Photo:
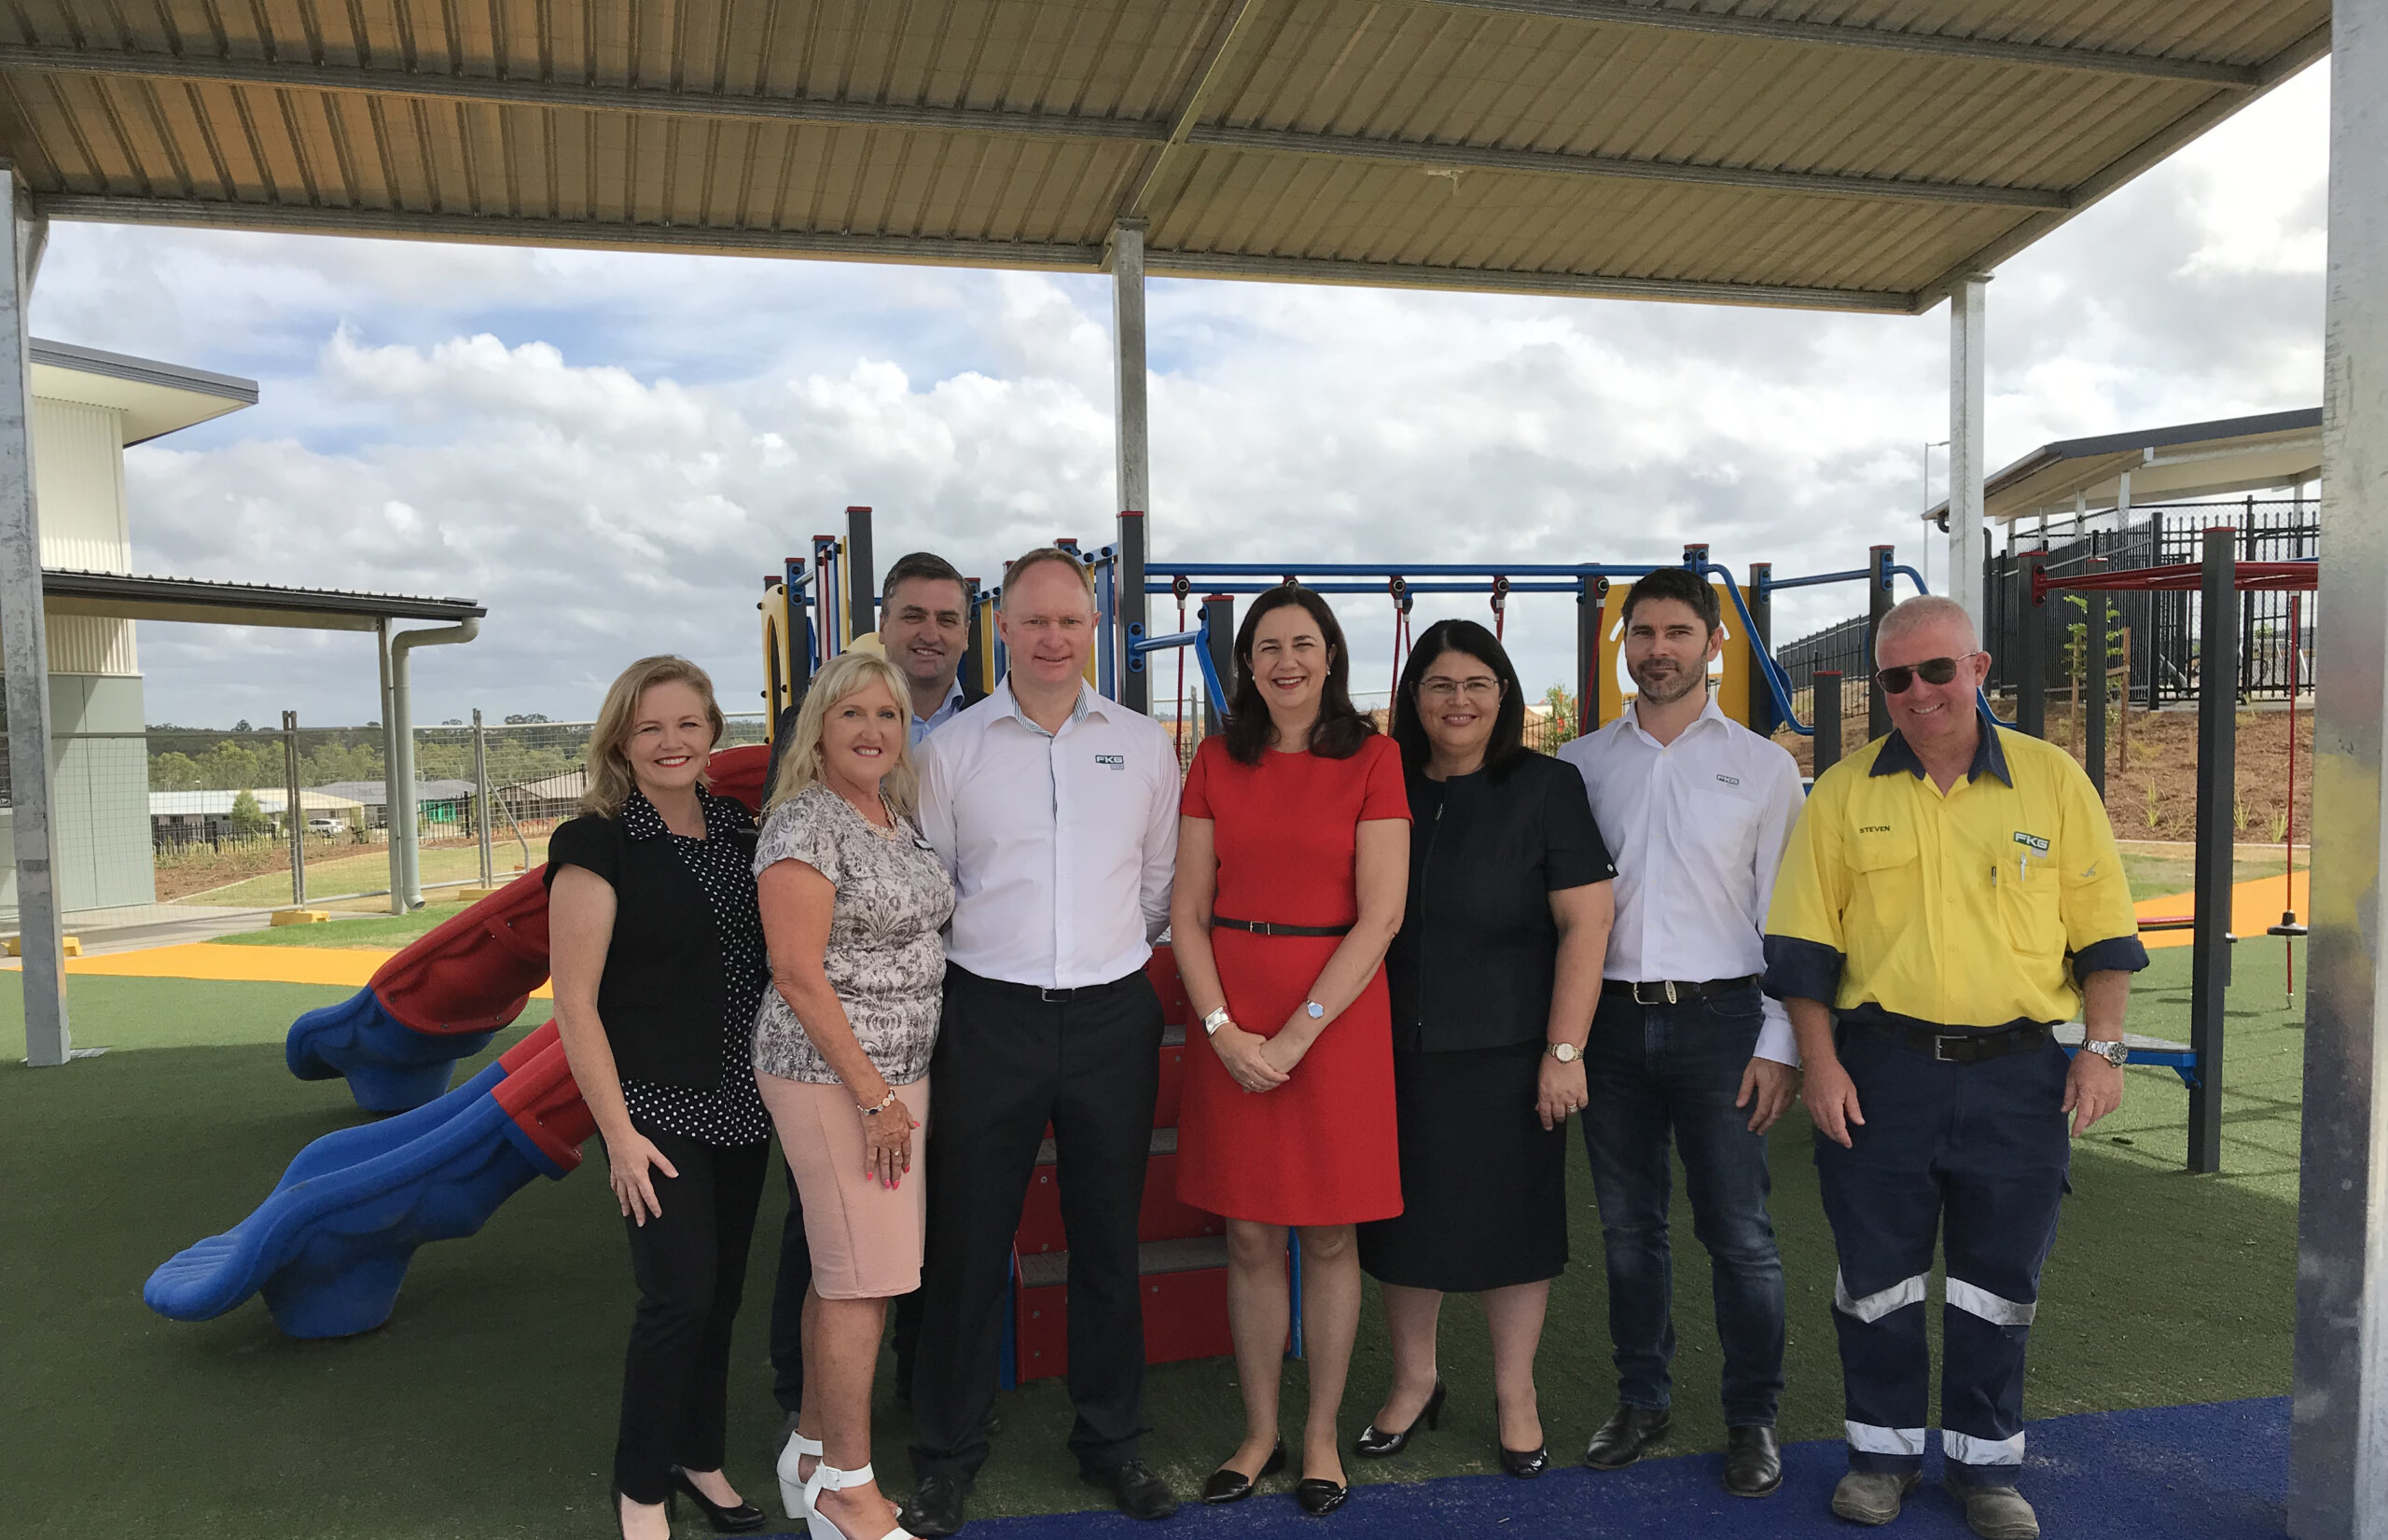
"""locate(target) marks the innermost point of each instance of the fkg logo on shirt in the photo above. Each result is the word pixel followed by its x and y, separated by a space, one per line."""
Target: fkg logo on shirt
pixel 2031 839
pixel 1117 761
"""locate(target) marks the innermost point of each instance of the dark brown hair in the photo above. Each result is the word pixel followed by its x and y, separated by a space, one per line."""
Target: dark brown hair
pixel 1340 729
pixel 1680 584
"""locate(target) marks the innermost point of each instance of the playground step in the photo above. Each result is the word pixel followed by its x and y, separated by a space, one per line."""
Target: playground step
pixel 1185 1288
pixel 1161 1218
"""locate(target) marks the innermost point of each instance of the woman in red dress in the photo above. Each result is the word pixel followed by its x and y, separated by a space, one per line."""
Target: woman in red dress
pixel 1293 863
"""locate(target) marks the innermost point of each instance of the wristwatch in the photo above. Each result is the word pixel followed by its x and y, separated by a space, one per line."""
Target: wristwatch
pixel 1316 1011
pixel 1566 1053
pixel 1217 1018
pixel 2111 1050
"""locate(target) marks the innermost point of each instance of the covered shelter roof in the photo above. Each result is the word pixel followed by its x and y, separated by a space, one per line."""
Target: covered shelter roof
pixel 2278 449
pixel 124 597
pixel 1861 155
pixel 157 398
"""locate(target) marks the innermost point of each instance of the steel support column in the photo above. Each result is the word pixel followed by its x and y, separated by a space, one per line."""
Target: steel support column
pixel 2029 668
pixel 2217 789
pixel 1129 602
pixel 1966 434
pixel 2339 1451
pixel 1878 604
pixel 862 574
pixel 1761 644
pixel 24 652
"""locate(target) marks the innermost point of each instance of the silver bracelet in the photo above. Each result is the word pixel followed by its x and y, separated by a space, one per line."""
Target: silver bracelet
pixel 884 1103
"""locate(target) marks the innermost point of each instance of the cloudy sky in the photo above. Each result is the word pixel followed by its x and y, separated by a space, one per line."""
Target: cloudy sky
pixel 610 451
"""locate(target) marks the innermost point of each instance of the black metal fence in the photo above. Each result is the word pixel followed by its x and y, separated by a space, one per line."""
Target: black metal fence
pixel 2162 628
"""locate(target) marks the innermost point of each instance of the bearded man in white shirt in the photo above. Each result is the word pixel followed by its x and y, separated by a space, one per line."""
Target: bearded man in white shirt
pixel 1056 811
pixel 1697 809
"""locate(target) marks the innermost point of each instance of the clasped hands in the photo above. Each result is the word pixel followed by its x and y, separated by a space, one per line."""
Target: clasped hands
pixel 1256 1062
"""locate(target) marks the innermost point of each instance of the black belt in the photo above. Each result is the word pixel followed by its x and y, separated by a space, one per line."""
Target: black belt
pixel 1674 991
pixel 1262 927
pixel 1045 996
pixel 1977 1046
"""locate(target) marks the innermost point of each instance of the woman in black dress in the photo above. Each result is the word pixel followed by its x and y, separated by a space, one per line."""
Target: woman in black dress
pixel 1495 978
pixel 657 948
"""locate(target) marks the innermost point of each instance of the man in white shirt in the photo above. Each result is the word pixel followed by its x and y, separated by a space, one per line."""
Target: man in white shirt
pixel 925 629
pixel 1697 809
pixel 1056 811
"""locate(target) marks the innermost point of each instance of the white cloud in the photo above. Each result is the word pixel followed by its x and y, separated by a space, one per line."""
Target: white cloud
pixel 610 451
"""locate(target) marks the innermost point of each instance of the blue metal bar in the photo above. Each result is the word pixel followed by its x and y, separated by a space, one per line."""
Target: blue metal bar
pixel 1216 693
pixel 1485 587
pixel 1855 575
pixel 1162 644
pixel 1912 575
pixel 1777 682
pixel 1198 570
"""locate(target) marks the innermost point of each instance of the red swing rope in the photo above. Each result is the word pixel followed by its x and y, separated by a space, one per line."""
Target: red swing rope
pixel 1500 608
pixel 1399 589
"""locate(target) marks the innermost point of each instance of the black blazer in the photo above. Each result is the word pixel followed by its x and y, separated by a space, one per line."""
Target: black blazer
pixel 663 996
pixel 1474 962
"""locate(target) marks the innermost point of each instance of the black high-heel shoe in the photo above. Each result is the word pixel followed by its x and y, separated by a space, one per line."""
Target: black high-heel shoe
pixel 1523 1464
pixel 738 1520
pixel 1376 1444
pixel 1319 1496
pixel 1233 1486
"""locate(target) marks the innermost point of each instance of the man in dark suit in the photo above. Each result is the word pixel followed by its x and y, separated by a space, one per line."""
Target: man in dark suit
pixel 925 627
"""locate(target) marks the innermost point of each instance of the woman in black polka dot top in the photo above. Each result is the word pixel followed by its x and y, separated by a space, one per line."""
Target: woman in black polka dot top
pixel 657 948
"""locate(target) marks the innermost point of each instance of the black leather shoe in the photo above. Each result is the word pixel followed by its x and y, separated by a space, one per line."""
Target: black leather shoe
pixel 1376 1444
pixel 1752 1461
pixel 738 1518
pixel 1630 1433
pixel 1136 1488
pixel 936 1507
pixel 1233 1486
pixel 1320 1497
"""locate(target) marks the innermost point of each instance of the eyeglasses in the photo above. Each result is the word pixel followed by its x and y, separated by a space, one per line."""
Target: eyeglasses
pixel 1896 679
pixel 1479 689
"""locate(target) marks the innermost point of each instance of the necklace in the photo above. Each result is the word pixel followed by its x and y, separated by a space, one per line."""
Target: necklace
pixel 894 829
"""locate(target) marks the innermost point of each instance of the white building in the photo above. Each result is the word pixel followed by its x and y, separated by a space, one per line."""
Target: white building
pixel 89 407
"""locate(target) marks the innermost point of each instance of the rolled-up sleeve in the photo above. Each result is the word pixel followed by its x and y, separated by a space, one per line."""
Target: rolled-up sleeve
pixel 1805 948
pixel 2101 924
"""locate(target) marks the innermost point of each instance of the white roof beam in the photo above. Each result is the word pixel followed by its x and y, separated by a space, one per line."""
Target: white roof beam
pixel 1626 13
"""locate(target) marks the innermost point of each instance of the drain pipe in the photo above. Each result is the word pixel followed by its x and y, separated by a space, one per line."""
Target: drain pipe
pixel 406 889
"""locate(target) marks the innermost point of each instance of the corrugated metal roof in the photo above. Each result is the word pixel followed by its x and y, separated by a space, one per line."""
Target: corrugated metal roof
pixel 1858 154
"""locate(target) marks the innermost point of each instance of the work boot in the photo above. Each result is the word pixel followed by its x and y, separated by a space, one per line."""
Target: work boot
pixel 1996 1513
pixel 1873 1497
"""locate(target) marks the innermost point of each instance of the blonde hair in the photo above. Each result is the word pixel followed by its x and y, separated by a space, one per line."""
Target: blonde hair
pixel 848 674
pixel 610 781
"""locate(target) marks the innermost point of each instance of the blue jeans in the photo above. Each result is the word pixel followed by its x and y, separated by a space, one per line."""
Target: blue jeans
pixel 1660 1070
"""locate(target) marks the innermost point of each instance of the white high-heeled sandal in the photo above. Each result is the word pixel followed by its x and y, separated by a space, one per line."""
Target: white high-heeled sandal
pixel 826 1477
pixel 796 1491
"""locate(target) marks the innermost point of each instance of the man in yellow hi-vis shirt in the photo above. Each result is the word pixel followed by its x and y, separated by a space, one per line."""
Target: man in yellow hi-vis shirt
pixel 1950 892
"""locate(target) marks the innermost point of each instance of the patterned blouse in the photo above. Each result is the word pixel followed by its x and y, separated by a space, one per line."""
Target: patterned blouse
pixel 732 1113
pixel 884 958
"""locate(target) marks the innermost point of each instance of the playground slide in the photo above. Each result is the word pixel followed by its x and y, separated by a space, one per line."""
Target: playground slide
pixel 329 1247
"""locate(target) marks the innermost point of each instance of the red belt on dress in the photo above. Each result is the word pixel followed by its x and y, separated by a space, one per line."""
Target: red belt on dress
pixel 1262 927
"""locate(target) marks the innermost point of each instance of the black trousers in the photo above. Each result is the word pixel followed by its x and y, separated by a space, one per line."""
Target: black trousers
pixel 690 1264
pixel 787 1311
pixel 1090 1066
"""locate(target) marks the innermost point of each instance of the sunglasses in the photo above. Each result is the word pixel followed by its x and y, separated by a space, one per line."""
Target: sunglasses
pixel 1896 679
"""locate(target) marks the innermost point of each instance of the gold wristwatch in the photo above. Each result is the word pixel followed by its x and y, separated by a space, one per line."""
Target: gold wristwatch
pixel 1566 1053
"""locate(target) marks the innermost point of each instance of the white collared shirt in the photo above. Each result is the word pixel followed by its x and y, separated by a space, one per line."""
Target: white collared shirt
pixel 1062 844
pixel 946 712
pixel 1697 828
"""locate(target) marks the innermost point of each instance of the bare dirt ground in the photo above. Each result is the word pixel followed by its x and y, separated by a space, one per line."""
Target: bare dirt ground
pixel 2151 786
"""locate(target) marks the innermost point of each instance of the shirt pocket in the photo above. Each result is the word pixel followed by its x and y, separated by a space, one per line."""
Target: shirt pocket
pixel 1725 821
pixel 2029 904
pixel 1886 879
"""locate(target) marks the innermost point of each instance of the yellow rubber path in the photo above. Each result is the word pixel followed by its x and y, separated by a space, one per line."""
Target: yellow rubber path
pixel 347 967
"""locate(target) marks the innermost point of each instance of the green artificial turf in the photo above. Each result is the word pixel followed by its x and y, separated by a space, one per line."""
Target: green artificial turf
pixel 373 930
pixel 485 1408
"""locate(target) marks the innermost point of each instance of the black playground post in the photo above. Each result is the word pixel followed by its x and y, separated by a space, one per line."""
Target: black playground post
pixel 1878 604
pixel 1824 688
pixel 862 574
pixel 1127 576
pixel 1591 600
pixel 1761 646
pixel 974 651
pixel 2093 672
pixel 2217 777
pixel 1219 610
pixel 2030 668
